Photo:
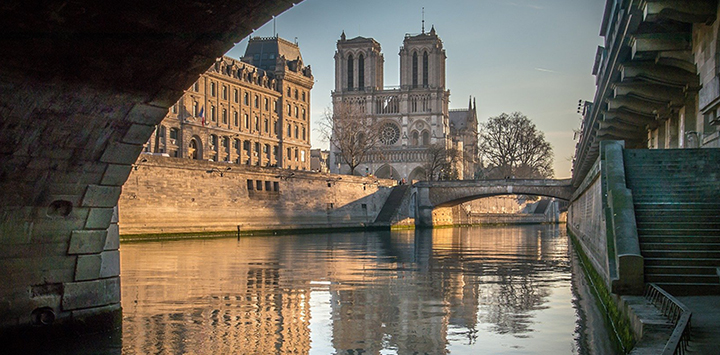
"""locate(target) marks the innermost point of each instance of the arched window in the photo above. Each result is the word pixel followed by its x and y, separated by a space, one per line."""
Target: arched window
pixel 425 69
pixel 193 149
pixel 415 138
pixel 350 71
pixel 414 70
pixel 361 72
pixel 425 138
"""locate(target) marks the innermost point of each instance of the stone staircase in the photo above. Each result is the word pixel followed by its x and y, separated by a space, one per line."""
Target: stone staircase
pixel 676 193
pixel 392 204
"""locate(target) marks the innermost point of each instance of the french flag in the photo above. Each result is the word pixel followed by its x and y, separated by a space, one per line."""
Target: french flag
pixel 202 115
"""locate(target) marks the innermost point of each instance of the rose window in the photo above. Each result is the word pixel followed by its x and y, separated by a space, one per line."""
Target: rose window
pixel 389 133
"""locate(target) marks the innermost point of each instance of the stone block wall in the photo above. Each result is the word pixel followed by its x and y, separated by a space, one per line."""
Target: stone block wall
pixel 168 195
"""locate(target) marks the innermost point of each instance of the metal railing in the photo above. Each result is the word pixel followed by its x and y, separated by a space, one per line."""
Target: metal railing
pixel 678 315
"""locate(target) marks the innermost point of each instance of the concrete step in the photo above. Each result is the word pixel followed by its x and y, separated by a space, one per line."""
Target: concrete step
pixel 659 261
pixel 681 270
pixel 679 246
pixel 676 205
pixel 681 278
pixel 680 254
pixel 649 238
pixel 690 289
pixel 679 231
pixel 643 215
pixel 692 224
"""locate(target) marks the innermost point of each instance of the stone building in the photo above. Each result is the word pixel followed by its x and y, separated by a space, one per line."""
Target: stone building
pixel 319 160
pixel 252 111
pixel 412 116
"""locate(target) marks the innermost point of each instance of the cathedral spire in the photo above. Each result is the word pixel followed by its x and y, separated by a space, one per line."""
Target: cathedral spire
pixel 470 103
pixel 423 20
pixel 342 36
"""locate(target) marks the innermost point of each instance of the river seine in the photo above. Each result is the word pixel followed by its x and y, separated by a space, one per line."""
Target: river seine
pixel 489 290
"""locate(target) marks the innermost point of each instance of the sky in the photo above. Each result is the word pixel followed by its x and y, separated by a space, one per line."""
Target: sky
pixel 531 56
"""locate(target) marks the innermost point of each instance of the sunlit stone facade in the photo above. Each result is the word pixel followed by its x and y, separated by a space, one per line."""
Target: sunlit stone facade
pixel 412 116
pixel 252 111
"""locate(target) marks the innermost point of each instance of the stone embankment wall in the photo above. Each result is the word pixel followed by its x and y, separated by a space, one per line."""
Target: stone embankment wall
pixel 168 195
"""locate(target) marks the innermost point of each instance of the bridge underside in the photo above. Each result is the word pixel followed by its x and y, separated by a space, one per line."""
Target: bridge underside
pixel 82 85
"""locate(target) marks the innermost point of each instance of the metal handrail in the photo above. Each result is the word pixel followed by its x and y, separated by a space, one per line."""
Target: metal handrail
pixel 677 313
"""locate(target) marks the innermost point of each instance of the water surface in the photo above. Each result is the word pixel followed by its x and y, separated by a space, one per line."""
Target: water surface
pixel 504 290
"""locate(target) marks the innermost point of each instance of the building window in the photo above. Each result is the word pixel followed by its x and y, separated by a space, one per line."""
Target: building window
pixel 173 134
pixel 250 185
pixel 275 106
pixel 415 70
pixel 212 89
pixel 257 124
pixel 303 133
pixel 361 72
pixel 196 86
pixel 235 119
pixel 350 72
pixel 213 142
pixel 296 112
pixel 296 94
pixel 212 114
pixel 289 131
pixel 296 132
pixel 266 125
pixel 224 92
pixel 303 114
pixel 224 116
pixel 259 185
pixel 257 102
pixel 302 156
pixel 303 96
pixel 246 99
pixel 276 186
pixel 289 110
pixel 288 92
pixel 174 108
pixel 268 185
pixel 247 121
pixel 236 95
pixel 195 109
pixel 296 155
pixel 415 138
pixel 425 69
pixel 289 156
pixel 266 104
pixel 426 138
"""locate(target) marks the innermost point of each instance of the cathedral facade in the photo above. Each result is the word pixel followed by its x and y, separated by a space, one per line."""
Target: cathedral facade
pixel 251 111
pixel 413 117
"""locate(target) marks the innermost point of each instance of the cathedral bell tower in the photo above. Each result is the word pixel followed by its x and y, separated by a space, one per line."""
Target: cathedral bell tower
pixel 358 64
pixel 422 61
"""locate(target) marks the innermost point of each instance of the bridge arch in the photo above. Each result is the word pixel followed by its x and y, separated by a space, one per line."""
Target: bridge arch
pixel 431 195
pixel 387 172
pixel 70 136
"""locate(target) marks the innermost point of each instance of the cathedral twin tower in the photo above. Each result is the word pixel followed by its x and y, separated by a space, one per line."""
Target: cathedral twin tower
pixel 413 117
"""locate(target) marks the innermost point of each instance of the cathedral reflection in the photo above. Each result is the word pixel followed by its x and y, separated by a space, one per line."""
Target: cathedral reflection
pixel 411 292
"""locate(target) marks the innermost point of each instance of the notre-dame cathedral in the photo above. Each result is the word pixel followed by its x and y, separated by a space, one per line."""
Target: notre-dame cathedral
pixel 411 117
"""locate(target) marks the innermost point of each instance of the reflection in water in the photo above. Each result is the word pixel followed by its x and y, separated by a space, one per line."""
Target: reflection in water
pixel 461 291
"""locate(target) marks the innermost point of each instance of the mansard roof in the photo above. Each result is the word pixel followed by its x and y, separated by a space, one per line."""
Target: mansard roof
pixel 263 51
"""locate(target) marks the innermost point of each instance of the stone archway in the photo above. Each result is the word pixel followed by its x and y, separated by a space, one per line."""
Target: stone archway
pixel 387 172
pixel 195 148
pixel 80 99
pixel 418 173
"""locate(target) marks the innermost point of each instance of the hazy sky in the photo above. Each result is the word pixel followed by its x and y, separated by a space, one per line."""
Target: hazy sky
pixel 532 56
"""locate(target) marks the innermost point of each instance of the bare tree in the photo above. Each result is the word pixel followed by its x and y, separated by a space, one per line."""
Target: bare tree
pixel 441 162
pixel 511 146
pixel 351 131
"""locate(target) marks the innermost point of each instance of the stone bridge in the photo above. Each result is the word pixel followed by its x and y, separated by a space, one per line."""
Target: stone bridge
pixel 81 90
pixel 432 194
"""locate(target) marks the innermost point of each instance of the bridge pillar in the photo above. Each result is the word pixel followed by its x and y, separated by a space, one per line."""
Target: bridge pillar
pixel 425 208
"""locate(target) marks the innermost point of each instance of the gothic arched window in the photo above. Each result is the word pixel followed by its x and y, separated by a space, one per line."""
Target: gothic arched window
pixel 350 72
pixel 415 70
pixel 361 72
pixel 425 69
